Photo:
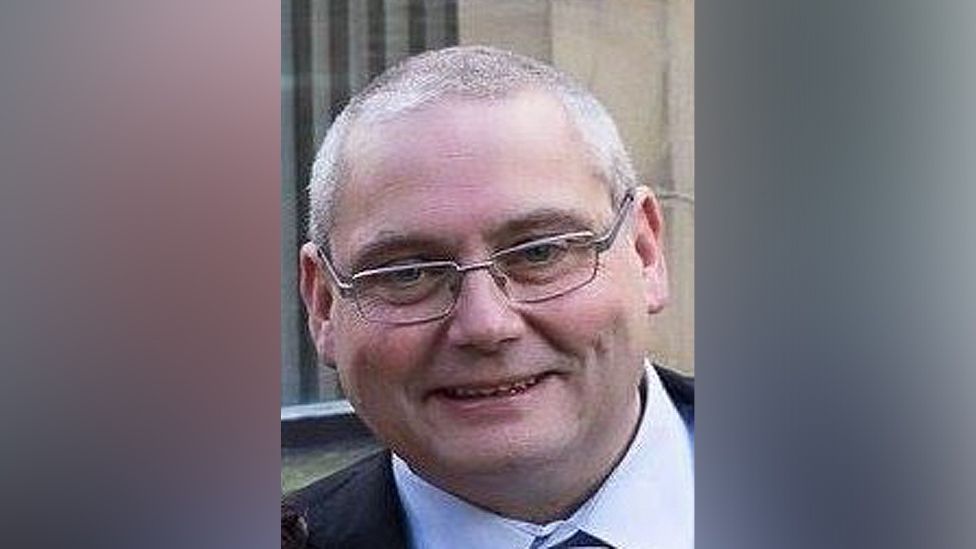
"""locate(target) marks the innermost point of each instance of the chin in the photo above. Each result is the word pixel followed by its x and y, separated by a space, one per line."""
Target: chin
pixel 493 457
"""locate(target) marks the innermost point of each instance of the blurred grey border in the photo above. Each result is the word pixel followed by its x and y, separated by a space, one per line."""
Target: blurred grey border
pixel 835 271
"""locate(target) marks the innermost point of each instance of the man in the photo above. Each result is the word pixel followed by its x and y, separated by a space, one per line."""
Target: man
pixel 481 270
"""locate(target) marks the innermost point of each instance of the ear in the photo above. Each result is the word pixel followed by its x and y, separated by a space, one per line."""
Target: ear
pixel 318 298
pixel 649 242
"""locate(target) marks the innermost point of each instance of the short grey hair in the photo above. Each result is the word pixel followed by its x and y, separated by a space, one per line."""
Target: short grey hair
pixel 466 72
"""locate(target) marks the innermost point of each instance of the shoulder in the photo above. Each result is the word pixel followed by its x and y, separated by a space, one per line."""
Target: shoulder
pixel 681 390
pixel 355 507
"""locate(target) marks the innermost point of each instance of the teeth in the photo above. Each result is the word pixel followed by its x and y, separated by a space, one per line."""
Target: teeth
pixel 505 389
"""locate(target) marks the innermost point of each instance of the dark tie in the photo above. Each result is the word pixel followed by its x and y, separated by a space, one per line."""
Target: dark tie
pixel 580 539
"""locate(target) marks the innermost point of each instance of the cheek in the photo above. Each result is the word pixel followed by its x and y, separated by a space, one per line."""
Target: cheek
pixel 604 319
pixel 374 359
pixel 583 323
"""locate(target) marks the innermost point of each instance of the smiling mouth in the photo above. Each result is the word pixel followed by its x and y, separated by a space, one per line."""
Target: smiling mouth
pixel 506 389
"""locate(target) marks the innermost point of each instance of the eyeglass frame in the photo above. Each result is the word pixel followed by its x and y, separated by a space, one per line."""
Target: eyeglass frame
pixel 347 289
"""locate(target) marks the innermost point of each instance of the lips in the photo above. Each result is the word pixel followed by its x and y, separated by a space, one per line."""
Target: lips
pixel 502 389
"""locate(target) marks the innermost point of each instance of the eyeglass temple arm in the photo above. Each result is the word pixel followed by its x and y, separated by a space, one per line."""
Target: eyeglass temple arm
pixel 606 240
pixel 345 287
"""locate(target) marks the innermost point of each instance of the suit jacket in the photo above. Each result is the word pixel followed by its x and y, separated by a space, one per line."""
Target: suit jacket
pixel 358 507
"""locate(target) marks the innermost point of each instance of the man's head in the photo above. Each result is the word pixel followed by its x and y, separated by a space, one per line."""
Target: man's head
pixel 531 363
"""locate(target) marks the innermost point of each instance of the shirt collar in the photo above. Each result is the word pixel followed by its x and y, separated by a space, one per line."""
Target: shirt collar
pixel 646 502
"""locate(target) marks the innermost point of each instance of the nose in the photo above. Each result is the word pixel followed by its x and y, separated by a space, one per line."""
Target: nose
pixel 483 318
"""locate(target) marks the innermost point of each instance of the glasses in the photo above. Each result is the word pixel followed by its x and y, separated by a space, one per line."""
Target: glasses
pixel 530 272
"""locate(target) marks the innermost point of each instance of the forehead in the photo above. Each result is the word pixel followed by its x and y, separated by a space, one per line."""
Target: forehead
pixel 465 166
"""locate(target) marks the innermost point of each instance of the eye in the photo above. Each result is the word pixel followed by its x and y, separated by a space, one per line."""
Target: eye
pixel 406 276
pixel 542 253
pixel 546 259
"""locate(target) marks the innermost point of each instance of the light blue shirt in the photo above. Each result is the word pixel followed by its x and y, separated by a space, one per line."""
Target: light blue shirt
pixel 646 502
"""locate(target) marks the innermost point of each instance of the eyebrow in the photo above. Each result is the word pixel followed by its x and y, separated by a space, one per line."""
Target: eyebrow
pixel 387 243
pixel 543 220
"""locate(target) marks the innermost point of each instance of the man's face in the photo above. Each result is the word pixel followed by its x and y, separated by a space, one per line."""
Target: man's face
pixel 458 181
